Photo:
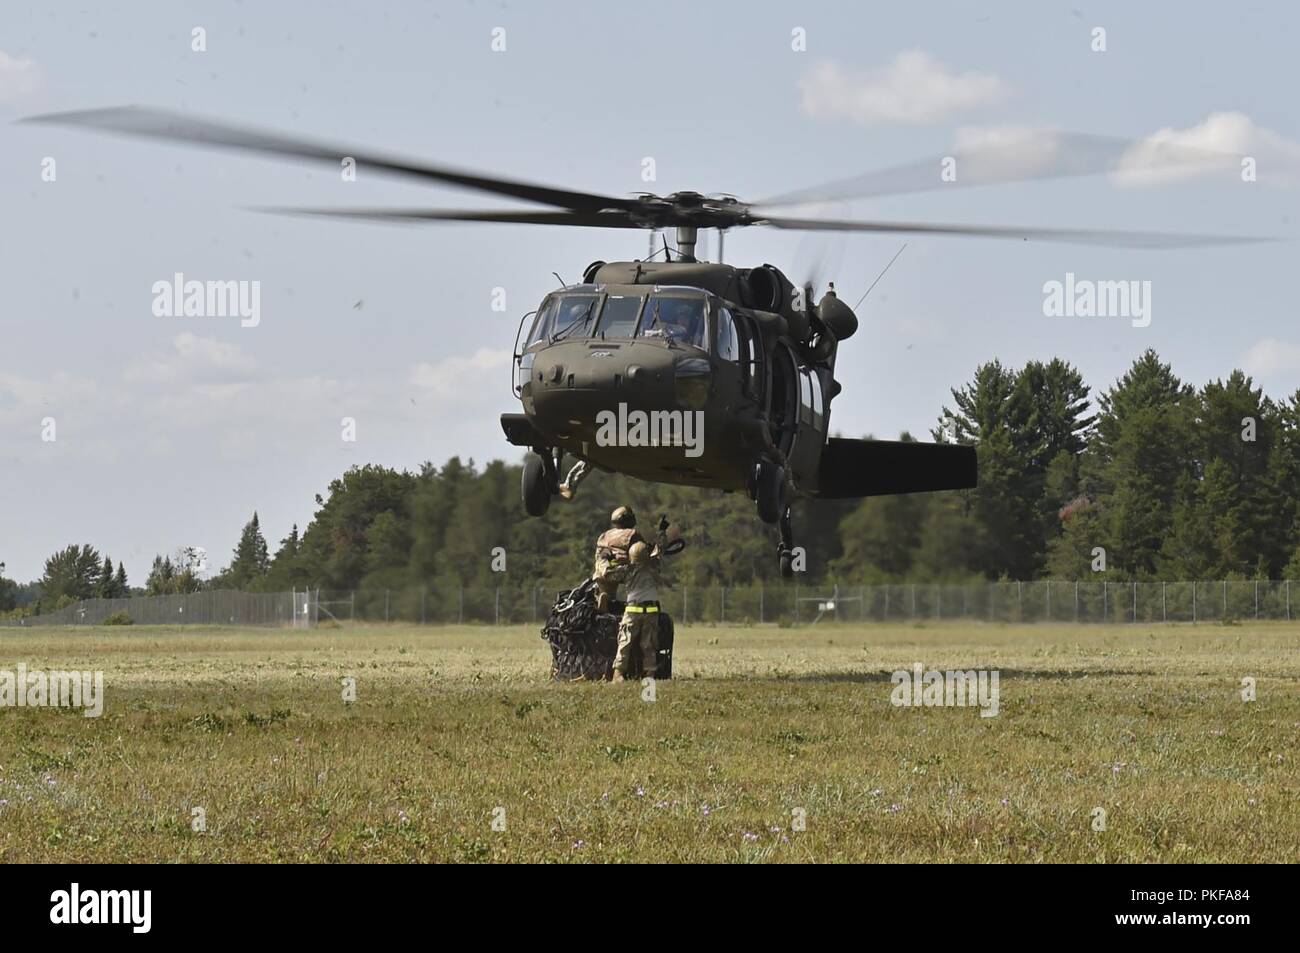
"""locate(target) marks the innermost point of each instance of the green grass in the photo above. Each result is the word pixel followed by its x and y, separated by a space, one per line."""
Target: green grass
pixel 449 724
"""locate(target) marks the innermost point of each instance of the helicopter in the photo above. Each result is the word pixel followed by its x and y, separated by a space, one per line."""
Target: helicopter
pixel 690 372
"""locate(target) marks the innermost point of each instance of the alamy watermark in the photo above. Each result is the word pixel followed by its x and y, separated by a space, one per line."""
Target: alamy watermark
pixel 951 689
pixel 36 689
pixel 1085 298
pixel 208 299
pixel 130 907
pixel 655 428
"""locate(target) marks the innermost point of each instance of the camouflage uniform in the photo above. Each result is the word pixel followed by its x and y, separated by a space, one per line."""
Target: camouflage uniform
pixel 611 563
pixel 639 627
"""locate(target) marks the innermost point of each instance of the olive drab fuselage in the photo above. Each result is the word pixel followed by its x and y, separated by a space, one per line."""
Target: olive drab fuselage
pixel 732 392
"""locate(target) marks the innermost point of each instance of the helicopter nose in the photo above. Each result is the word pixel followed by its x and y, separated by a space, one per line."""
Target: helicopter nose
pixel 570 388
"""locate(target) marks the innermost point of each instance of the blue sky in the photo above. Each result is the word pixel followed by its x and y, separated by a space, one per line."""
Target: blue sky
pixel 171 431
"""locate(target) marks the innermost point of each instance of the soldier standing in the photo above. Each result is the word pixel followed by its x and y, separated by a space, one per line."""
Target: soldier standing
pixel 639 628
pixel 612 549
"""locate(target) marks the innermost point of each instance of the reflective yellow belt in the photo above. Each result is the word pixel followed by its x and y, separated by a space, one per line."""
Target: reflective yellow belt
pixel 632 608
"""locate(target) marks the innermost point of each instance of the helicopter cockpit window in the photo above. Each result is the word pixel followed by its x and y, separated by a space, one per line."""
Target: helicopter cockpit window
pixel 728 346
pixel 574 316
pixel 679 319
pixel 618 318
pixel 542 323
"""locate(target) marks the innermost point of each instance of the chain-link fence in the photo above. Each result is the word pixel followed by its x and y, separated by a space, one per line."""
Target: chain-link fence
pixel 216 607
pixel 793 603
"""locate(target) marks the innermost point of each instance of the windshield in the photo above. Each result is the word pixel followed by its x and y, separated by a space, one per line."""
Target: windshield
pixel 618 318
pixel 573 316
pixel 678 319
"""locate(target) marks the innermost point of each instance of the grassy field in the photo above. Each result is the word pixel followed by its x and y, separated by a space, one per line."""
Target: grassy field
pixel 453 726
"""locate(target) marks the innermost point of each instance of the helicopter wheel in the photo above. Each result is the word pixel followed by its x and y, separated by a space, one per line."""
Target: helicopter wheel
pixel 536 486
pixel 787 565
pixel 769 491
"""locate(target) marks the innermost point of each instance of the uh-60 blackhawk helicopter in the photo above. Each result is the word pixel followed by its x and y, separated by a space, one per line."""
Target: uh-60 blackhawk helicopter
pixel 696 373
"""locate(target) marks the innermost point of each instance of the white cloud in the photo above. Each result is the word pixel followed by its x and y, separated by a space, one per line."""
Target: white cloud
pixel 18 77
pixel 1271 356
pixel 1215 146
pixel 204 397
pixel 484 370
pixel 914 88
pixel 194 359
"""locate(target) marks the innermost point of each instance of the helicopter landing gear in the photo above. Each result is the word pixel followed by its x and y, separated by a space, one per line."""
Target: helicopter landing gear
pixel 769 491
pixel 539 477
pixel 786 548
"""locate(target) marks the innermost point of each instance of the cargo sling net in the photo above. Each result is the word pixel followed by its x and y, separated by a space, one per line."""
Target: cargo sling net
pixel 583 641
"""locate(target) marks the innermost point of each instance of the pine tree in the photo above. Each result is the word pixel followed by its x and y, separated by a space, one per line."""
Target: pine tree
pixel 250 562
pixel 71 574
pixel 120 588
pixel 162 577
pixel 106 590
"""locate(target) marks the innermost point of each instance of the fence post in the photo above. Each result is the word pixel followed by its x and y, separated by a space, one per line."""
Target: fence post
pixel 385 605
pixel 460 605
pixel 1225 600
pixel 913 600
pixel 796 603
pixel 424 591
pixel 1288 600
pixel 760 602
pixel 938 601
pixel 722 610
pixel 1105 602
pixel 352 606
pixel 1193 602
pixel 1135 602
pixel 1049 600
pixel 1020 601
pixel 1076 600
pixel 1164 605
pixel 685 590
pixel 498 606
pixel 1256 600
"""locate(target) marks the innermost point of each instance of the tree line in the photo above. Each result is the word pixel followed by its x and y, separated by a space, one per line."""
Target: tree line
pixel 1152 478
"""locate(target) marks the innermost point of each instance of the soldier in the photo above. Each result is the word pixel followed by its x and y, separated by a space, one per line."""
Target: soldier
pixel 612 555
pixel 639 628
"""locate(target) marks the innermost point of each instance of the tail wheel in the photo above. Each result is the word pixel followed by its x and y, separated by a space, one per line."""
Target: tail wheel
pixel 769 491
pixel 536 487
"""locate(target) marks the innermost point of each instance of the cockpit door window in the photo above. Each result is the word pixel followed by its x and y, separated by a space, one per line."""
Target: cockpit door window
pixel 728 345
pixel 543 322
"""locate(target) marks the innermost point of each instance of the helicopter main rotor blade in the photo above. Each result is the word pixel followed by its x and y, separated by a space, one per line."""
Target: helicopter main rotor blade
pixel 1016 155
pixel 1078 236
pixel 174 127
pixel 607 219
